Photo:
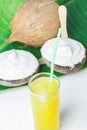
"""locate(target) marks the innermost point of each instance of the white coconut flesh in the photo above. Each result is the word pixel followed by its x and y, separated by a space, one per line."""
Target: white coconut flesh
pixel 69 52
pixel 17 65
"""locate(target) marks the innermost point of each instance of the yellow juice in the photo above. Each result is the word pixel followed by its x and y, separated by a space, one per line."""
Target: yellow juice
pixel 45 103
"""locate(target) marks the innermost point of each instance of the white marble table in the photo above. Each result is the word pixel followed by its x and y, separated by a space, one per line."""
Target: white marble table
pixel 15 107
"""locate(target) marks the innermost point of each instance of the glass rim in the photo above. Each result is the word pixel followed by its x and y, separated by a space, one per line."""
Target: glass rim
pixel 37 76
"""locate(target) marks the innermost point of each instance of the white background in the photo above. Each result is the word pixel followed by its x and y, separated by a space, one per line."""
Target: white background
pixel 16 113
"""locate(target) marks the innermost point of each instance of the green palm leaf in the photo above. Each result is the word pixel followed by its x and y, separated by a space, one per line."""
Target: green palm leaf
pixel 77 15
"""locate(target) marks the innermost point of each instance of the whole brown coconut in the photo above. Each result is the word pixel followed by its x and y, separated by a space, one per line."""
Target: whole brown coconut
pixel 35 22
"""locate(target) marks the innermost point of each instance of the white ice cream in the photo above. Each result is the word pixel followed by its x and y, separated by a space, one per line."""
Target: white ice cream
pixel 69 52
pixel 17 64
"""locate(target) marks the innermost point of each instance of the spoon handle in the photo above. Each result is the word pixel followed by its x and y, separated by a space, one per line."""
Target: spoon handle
pixel 63 18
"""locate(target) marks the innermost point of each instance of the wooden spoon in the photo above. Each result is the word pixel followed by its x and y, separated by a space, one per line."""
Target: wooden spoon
pixel 63 18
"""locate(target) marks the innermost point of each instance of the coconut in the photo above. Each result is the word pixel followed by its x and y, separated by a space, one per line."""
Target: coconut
pixel 70 56
pixel 35 22
pixel 16 67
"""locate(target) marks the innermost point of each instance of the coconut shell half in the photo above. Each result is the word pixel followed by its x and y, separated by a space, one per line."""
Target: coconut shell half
pixel 67 69
pixel 17 67
pixel 15 83
pixel 70 55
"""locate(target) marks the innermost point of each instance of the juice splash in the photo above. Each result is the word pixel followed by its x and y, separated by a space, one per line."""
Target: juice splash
pixel 45 103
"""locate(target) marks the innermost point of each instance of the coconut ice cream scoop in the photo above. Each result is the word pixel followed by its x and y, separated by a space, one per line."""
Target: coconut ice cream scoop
pixel 70 56
pixel 16 67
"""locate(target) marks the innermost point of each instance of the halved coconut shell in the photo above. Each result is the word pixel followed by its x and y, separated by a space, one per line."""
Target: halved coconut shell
pixel 15 83
pixel 67 69
pixel 18 74
pixel 65 61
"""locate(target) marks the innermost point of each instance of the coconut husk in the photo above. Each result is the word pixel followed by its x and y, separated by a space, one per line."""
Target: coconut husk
pixel 35 22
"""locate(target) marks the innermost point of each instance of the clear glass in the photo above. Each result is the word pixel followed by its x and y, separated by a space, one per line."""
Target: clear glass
pixel 45 106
